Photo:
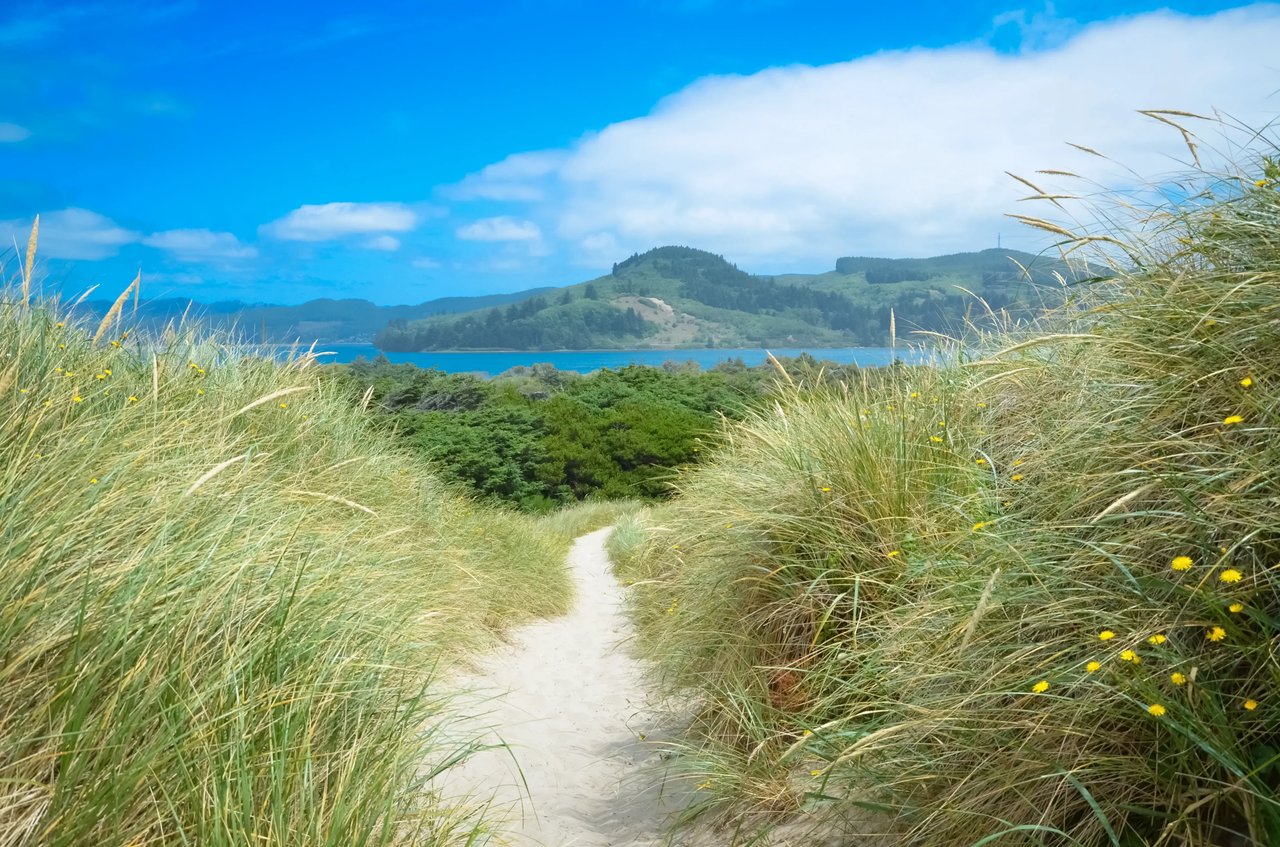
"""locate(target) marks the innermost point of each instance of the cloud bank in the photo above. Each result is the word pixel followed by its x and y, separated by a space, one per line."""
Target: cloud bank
pixel 897 154
pixel 71 234
pixel 200 245
pixel 336 220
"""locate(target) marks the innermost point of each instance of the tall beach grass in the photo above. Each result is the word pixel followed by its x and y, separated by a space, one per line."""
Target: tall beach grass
pixel 1029 597
pixel 225 597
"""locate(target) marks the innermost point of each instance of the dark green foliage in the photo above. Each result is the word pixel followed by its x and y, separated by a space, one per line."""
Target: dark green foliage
pixel 538 437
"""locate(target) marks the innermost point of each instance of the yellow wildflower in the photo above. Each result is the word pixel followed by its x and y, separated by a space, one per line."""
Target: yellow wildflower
pixel 1216 633
pixel 980 525
pixel 60 324
pixel 936 439
pixel 979 461
pixel 1247 382
pixel 1178 678
pixel 1093 667
pixel 893 554
pixel 77 399
pixel 915 394
pixel 1016 462
pixel 93 480
pixel 284 405
pixel 1181 563
pixel 1106 635
pixel 826 488
pixel 1250 704
pixel 1236 608
pixel 1017 478
pixel 982 405
pixel 815 772
pixel 1156 709
pixel 1232 419
pixel 200 393
pixel 1230 575
pixel 1157 639
pixel 1041 687
pixel 942 423
pixel 1131 657
pixel 133 398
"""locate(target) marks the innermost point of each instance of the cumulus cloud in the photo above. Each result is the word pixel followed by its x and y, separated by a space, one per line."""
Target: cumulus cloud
pixel 13 133
pixel 71 234
pixel 898 153
pixel 200 245
pixel 501 228
pixel 335 220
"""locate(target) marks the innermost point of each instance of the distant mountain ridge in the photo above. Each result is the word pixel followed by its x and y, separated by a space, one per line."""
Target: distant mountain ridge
pixel 684 297
pixel 326 320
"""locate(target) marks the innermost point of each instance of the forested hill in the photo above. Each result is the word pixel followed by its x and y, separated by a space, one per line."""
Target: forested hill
pixel 683 297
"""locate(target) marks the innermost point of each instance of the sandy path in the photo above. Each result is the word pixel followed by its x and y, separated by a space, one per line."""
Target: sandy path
pixel 570 704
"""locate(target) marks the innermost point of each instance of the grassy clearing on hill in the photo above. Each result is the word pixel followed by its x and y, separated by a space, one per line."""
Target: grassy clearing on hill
pixel 1029 598
pixel 225 597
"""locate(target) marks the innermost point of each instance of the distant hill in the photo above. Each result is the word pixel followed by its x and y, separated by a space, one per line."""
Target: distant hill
pixel 325 320
pixel 683 297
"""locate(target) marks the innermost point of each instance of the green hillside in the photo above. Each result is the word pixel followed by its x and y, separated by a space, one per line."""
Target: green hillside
pixel 683 297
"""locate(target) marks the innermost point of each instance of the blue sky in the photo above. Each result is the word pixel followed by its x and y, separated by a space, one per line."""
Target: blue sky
pixel 400 151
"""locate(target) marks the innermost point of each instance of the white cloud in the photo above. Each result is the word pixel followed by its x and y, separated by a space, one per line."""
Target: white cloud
pixel 12 133
pixel 200 245
pixel 896 154
pixel 425 264
pixel 382 242
pixel 501 228
pixel 71 234
pixel 335 220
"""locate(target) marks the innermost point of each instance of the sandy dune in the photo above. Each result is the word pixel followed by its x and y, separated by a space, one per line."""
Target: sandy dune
pixel 568 701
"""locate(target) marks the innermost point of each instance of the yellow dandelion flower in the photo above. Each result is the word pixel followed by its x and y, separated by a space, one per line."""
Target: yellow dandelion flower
pixel 1250 704
pixel 915 394
pixel 1232 419
pixel 99 376
pixel 200 393
pixel 1216 633
pixel 115 343
pixel 893 554
pixel 942 423
pixel 1247 382
pixel 1178 678
pixel 979 461
pixel 1041 687
pixel 133 398
pixel 284 405
pixel 826 488
pixel 1156 709
pixel 1106 635
pixel 982 405
pixel 1016 462
pixel 1017 478
pixel 1230 575
pixel 77 399
pixel 980 525
pixel 93 480
pixel 806 733
pixel 59 324
pixel 62 347
pixel 1236 608
pixel 1131 657
pixel 1093 667
pixel 1157 639
pixel 107 371
pixel 936 439
pixel 1181 563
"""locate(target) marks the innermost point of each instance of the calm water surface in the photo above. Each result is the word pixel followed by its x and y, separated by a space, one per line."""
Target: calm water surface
pixel 585 361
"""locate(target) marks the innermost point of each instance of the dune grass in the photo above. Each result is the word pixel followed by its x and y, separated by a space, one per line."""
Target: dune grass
pixel 224 597
pixel 1031 596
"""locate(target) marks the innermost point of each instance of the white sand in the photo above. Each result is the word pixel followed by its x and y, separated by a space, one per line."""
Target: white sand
pixel 569 702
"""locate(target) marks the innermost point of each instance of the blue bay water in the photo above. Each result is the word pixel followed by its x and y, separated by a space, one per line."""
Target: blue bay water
pixel 585 361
